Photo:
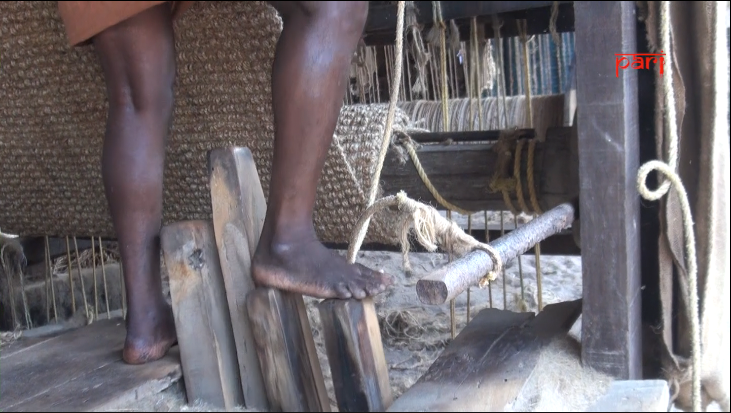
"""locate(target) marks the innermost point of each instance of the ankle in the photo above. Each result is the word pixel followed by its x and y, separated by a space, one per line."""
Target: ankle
pixel 280 236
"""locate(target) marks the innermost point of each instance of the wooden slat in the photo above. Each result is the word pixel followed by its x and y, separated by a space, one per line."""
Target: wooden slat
pixel 286 348
pixel 201 310
pixel 239 207
pixel 80 370
pixel 488 363
pixel 609 202
pixel 355 352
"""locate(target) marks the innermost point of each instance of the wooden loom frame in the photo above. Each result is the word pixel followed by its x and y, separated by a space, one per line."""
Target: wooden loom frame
pixel 611 336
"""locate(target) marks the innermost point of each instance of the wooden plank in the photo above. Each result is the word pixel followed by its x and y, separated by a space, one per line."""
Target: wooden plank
pixel 472 165
pixel 609 202
pixel 286 348
pixel 112 386
pixel 79 370
pixel 201 310
pixel 488 363
pixel 238 207
pixel 355 352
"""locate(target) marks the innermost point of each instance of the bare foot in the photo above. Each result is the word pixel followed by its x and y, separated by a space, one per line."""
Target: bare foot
pixel 309 268
pixel 149 338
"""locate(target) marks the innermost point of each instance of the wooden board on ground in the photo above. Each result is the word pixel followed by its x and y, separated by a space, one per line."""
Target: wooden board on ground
pixel 202 320
pixel 608 142
pixel 81 370
pixel 292 372
pixel 239 207
pixel 488 363
pixel 355 352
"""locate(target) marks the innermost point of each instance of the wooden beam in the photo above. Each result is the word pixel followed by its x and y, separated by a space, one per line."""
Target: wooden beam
pixel 452 279
pixel 467 136
pixel 355 351
pixel 562 244
pixel 200 309
pixel 287 351
pixel 610 209
pixel 381 26
pixel 383 17
pixel 486 366
pixel 472 165
pixel 238 213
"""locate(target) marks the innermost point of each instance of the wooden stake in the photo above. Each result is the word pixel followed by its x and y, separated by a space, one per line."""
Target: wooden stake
pixel 202 320
pixel 286 348
pixel 355 352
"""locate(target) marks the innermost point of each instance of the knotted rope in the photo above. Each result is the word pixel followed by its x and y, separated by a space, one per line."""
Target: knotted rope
pixel 669 171
pixel 430 227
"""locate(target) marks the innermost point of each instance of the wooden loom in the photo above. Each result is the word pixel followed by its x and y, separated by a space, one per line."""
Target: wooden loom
pixel 269 329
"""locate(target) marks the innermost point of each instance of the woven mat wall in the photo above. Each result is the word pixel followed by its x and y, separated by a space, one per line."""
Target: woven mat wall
pixel 53 112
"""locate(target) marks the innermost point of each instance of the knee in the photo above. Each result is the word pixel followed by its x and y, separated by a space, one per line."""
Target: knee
pixel 348 17
pixel 150 95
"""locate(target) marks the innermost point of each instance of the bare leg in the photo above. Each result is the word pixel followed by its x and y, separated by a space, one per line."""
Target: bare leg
pixel 138 58
pixel 309 80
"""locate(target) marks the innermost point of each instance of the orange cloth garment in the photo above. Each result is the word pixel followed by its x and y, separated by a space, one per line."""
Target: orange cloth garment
pixel 85 19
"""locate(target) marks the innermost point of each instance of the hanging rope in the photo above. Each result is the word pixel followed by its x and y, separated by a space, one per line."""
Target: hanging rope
pixel 356 243
pixel 670 173
pixel 428 225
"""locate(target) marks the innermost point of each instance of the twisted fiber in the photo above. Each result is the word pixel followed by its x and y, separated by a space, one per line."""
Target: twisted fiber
pixel 431 230
pixel 408 143
pixel 669 171
pixel 54 110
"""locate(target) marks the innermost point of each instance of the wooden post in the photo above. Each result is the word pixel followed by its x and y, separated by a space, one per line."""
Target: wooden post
pixel 202 320
pixel 355 351
pixel 609 203
pixel 287 351
pixel 239 208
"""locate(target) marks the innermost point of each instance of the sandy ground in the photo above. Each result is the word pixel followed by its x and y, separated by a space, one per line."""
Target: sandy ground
pixel 414 334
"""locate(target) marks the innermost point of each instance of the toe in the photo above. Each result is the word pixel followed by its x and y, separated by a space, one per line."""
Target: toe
pixel 342 291
pixel 358 292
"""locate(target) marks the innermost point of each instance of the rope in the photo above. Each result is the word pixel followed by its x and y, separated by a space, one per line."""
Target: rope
pixel 357 241
pixel 669 171
pixel 557 41
pixel 523 33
